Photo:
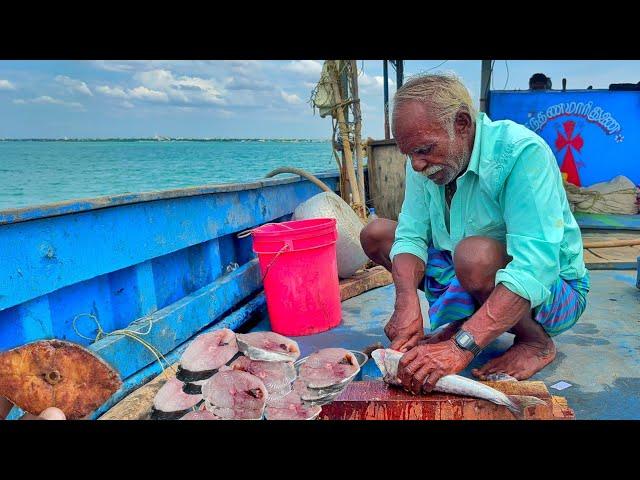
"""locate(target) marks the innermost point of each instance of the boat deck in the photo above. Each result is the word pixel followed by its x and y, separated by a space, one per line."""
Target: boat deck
pixel 599 356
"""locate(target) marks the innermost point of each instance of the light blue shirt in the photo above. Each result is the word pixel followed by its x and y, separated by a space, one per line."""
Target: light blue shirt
pixel 512 191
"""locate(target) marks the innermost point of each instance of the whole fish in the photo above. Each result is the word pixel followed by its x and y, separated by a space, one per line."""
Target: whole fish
pixel 388 361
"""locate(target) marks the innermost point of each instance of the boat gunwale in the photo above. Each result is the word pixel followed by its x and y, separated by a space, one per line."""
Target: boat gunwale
pixel 54 209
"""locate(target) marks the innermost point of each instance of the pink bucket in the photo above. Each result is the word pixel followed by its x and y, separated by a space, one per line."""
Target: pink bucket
pixel 300 272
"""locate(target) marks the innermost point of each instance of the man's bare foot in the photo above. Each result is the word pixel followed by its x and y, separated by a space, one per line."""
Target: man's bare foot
pixel 521 360
pixel 444 334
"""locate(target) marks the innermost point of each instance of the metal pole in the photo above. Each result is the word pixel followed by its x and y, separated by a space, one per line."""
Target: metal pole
pixel 399 73
pixel 344 86
pixel 385 75
pixel 357 118
pixel 485 79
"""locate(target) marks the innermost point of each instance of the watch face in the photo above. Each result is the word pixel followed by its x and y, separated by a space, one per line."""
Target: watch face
pixel 464 338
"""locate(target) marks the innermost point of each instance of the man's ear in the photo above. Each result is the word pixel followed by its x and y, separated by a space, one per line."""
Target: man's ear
pixel 462 123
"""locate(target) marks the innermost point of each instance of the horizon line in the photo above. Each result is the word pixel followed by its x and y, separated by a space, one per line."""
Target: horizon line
pixel 157 138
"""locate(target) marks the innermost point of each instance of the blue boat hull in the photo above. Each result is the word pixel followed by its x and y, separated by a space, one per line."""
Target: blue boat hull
pixel 165 265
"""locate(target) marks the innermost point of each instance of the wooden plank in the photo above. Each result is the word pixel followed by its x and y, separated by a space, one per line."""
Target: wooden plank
pixel 561 410
pixel 177 322
pixel 612 243
pixel 137 405
pixel 387 179
pixel 56 252
pixel 363 281
pixel 375 400
pixel 610 258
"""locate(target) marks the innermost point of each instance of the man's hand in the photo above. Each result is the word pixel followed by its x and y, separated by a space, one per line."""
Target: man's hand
pixel 51 413
pixel 405 327
pixel 422 366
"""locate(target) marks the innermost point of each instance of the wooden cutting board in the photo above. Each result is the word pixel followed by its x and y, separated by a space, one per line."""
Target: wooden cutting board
pixel 375 400
pixel 363 281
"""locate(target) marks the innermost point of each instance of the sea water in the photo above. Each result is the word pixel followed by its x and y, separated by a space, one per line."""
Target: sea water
pixel 34 172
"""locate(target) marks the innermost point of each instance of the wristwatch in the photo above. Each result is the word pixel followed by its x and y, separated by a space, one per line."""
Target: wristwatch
pixel 466 341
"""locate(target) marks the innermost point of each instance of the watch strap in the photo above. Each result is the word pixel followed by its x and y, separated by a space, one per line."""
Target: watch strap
pixel 466 341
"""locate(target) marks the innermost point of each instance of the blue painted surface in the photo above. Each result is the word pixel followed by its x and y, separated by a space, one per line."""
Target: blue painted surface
pixel 129 260
pixel 52 253
pixel 598 356
pixel 606 134
pixel 86 204
pixel 607 221
pixel 177 322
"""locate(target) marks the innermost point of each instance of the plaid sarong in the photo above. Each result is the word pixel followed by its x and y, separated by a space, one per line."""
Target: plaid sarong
pixel 449 302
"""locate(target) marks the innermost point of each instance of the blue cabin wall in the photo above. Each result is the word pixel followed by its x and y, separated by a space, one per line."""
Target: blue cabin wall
pixel 598 129
pixel 159 259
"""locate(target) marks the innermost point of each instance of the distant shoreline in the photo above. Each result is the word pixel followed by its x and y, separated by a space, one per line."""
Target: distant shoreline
pixel 166 139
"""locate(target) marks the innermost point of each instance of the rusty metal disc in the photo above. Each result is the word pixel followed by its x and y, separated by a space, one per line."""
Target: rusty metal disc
pixel 55 373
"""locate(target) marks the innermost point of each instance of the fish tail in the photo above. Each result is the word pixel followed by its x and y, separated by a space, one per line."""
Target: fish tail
pixel 519 404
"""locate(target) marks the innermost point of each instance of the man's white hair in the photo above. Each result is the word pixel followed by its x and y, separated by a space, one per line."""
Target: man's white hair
pixel 443 92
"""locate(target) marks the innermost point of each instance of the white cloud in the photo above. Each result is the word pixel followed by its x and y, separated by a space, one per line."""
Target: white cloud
pixel 115 92
pixel 373 83
pixel 290 98
pixel 73 85
pixel 47 100
pixel 144 93
pixel 245 67
pixel 118 65
pixel 126 104
pixel 138 93
pixel 244 83
pixel 305 67
pixel 182 89
pixel 6 85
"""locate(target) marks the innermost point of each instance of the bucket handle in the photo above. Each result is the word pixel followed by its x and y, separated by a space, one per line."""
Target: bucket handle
pixel 266 270
pixel 246 233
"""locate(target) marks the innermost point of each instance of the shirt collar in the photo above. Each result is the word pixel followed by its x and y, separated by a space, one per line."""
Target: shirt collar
pixel 474 161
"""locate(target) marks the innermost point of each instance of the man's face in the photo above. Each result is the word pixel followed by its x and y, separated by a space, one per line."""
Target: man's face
pixel 433 153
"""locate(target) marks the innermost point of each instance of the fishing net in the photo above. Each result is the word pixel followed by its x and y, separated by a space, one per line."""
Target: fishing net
pixel 617 196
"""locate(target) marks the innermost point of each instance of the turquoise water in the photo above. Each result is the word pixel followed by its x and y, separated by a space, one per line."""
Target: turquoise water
pixel 38 172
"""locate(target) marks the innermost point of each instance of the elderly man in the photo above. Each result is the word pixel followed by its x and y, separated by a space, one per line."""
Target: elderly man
pixel 485 230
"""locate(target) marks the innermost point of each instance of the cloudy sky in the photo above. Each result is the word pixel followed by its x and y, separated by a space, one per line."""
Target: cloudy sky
pixel 240 98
